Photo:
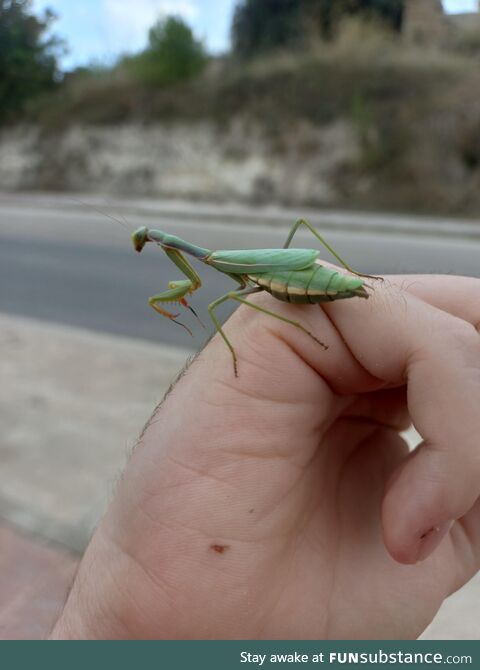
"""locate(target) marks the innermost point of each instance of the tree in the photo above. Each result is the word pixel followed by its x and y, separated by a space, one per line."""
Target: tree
pixel 173 54
pixel 389 11
pixel 262 25
pixel 28 62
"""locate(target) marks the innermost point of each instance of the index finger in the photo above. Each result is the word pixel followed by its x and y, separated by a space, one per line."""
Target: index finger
pixel 456 295
pixel 400 338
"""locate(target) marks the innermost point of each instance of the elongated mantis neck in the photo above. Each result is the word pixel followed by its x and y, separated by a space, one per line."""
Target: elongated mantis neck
pixel 174 242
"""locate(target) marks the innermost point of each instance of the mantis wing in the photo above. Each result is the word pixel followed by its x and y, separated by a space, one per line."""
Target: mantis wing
pixel 262 260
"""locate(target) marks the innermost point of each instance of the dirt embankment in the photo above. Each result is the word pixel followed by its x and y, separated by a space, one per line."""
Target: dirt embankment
pixel 181 160
pixel 377 127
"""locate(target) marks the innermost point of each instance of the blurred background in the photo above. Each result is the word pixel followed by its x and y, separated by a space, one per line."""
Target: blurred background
pixel 221 121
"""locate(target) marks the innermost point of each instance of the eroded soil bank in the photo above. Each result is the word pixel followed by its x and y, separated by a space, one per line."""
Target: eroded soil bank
pixel 199 161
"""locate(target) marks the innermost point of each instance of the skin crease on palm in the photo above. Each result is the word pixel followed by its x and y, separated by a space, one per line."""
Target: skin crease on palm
pixel 284 504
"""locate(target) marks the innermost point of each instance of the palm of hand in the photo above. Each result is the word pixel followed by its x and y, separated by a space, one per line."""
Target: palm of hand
pixel 276 526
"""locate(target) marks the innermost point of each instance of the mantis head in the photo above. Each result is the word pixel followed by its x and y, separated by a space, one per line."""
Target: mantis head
pixel 140 238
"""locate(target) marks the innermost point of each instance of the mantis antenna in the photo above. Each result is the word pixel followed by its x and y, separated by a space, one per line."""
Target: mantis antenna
pixel 122 221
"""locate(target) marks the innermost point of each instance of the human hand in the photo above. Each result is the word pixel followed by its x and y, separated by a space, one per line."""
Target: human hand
pixel 284 504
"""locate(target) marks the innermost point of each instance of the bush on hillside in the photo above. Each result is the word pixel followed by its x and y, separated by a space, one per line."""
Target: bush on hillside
pixel 173 55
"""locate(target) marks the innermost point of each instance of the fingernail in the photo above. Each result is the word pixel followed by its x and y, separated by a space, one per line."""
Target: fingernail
pixel 431 539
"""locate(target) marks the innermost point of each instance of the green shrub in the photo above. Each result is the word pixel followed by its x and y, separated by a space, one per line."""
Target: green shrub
pixel 173 54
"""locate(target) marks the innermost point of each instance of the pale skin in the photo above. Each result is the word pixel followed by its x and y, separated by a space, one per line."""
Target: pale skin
pixel 283 504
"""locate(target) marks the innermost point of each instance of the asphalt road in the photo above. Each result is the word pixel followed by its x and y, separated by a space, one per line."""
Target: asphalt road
pixel 63 262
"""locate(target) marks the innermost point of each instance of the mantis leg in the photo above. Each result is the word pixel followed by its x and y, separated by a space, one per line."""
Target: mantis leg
pixel 302 222
pixel 177 290
pixel 239 297
pixel 175 293
pixel 211 310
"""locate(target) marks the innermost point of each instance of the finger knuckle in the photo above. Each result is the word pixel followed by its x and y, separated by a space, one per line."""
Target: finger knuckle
pixel 465 335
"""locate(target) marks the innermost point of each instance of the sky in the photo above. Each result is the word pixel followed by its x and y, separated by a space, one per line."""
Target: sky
pixel 97 31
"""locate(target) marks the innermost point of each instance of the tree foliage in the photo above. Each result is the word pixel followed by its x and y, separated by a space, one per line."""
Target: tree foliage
pixel 28 57
pixel 173 54
pixel 262 25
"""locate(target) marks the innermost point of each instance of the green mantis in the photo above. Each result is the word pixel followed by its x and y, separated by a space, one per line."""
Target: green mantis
pixel 291 275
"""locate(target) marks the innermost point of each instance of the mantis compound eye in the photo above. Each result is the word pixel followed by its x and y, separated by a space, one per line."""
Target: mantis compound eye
pixel 140 238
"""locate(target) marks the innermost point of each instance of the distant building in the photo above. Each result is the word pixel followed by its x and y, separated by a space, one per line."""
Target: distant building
pixel 426 23
pixel 466 22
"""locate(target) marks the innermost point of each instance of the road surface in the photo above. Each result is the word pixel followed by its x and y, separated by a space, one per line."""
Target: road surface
pixel 62 261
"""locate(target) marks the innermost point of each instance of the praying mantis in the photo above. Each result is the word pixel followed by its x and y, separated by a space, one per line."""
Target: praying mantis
pixel 290 275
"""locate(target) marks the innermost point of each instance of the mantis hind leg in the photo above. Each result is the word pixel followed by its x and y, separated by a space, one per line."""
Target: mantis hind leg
pixel 302 222
pixel 239 297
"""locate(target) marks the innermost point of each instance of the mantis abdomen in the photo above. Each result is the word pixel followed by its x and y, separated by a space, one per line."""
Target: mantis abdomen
pixel 315 284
